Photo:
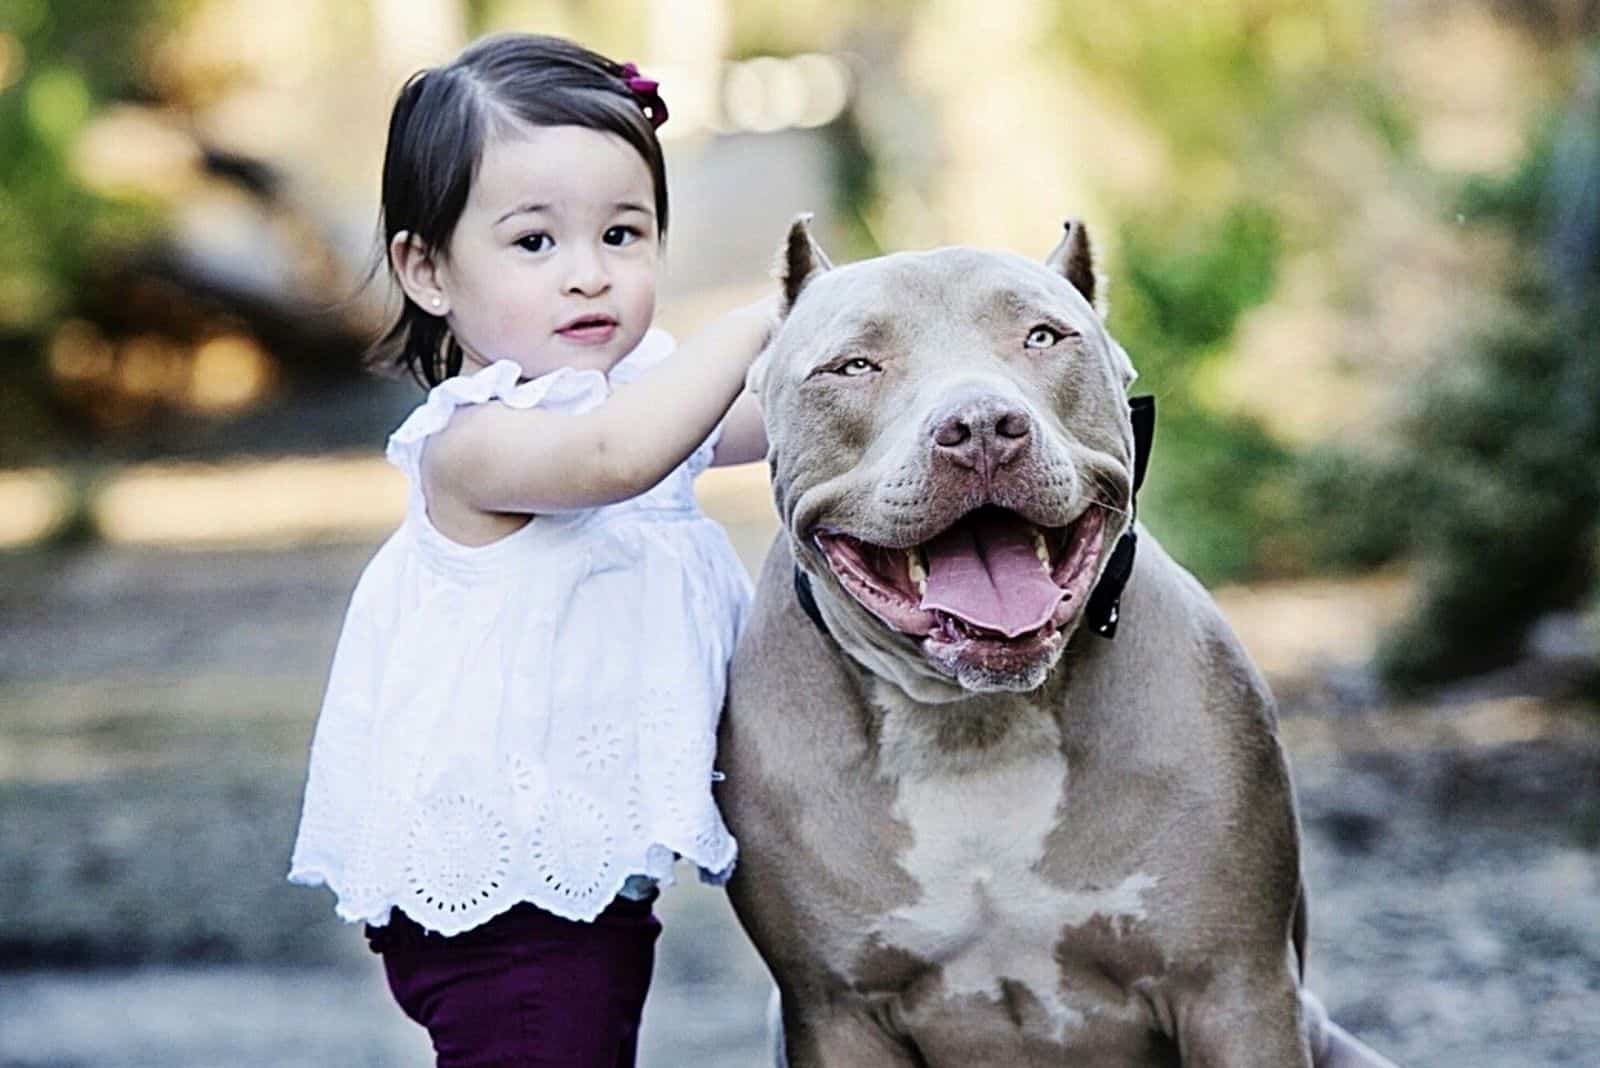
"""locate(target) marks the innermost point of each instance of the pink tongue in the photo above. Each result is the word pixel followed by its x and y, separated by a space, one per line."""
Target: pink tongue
pixel 984 571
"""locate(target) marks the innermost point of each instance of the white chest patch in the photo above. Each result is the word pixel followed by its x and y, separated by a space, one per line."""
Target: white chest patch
pixel 985 913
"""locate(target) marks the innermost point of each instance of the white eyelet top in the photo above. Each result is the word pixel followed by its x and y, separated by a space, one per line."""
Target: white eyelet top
pixel 533 719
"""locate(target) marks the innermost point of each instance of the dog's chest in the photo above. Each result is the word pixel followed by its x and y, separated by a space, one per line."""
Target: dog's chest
pixel 984 913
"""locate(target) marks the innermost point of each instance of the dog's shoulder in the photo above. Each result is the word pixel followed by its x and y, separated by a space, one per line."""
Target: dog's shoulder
pixel 1220 712
pixel 1181 625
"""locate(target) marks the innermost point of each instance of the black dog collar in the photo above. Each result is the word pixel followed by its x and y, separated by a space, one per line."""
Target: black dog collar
pixel 1105 601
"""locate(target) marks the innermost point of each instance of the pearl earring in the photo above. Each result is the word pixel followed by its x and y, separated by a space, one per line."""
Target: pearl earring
pixel 435 302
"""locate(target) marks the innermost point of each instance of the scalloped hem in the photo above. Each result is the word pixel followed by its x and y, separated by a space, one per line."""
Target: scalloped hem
pixel 713 871
pixel 720 877
pixel 663 875
pixel 382 916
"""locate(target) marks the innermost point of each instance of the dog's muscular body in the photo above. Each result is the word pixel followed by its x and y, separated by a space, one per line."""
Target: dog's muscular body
pixel 971 831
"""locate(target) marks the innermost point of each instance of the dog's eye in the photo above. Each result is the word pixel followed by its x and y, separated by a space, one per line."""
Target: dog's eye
pixel 1042 337
pixel 858 365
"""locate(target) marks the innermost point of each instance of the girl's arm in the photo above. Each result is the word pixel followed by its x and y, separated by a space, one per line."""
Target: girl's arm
pixel 494 458
pixel 744 434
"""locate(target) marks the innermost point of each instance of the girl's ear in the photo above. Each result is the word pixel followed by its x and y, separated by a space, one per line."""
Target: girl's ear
pixel 418 274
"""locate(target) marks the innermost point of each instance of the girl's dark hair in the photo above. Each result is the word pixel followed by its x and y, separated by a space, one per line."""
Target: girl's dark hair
pixel 437 131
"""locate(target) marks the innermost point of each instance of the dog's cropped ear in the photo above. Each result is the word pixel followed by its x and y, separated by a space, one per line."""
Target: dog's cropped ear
pixel 1073 259
pixel 799 260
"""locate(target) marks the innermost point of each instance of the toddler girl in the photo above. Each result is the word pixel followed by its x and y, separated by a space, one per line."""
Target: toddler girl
pixel 518 732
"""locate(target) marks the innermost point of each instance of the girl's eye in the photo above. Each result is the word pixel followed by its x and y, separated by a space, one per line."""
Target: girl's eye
pixel 855 367
pixel 1042 337
pixel 622 235
pixel 534 242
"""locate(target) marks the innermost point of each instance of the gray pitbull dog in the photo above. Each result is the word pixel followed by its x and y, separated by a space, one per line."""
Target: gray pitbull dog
pixel 972 831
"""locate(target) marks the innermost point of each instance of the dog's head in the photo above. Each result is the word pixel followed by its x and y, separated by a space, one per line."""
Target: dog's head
pixel 951 455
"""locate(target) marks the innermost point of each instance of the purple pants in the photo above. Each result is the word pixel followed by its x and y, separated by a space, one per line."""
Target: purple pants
pixel 527 988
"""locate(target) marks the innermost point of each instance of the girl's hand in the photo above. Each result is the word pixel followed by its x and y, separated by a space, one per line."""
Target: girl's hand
pixel 760 317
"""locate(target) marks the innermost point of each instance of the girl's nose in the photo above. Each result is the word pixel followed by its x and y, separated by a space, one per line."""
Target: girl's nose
pixel 586 273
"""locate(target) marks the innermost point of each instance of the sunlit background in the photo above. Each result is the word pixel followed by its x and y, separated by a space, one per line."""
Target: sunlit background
pixel 1353 247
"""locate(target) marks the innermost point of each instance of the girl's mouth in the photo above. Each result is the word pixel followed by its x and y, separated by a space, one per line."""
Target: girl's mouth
pixel 588 329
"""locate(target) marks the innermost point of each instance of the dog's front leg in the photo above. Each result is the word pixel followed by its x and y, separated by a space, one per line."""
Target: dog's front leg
pixel 842 1036
pixel 1243 1022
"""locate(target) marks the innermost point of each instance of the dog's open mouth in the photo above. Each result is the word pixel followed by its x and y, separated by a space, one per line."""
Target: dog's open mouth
pixel 991 584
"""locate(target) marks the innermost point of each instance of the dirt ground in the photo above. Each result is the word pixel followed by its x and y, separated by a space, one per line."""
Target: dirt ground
pixel 158 704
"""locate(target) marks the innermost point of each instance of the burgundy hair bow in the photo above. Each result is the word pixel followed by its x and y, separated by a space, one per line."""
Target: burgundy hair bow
pixel 647 92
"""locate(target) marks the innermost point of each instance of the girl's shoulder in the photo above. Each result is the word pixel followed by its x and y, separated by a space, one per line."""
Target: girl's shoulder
pixel 561 389
pixel 565 389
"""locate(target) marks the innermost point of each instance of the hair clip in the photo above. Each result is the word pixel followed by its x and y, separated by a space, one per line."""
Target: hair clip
pixel 647 92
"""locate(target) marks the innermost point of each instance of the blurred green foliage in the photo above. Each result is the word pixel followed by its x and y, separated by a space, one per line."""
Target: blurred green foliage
pixel 1214 479
pixel 1505 461
pixel 1224 82
pixel 1494 487
pixel 1355 507
pixel 1190 284
pixel 1223 85
pixel 64 61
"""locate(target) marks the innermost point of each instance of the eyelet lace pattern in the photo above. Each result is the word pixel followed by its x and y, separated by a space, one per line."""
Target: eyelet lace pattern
pixel 531 720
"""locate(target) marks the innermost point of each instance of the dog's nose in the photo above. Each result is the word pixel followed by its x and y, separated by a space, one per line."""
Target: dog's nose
pixel 982 434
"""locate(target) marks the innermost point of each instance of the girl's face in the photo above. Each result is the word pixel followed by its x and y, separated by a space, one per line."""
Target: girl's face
pixel 554 260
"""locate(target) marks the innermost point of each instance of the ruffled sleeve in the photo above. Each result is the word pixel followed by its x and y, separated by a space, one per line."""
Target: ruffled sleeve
pixel 565 389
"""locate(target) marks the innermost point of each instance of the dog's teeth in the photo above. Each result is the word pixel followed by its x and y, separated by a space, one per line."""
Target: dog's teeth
pixel 915 569
pixel 922 587
pixel 1041 550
